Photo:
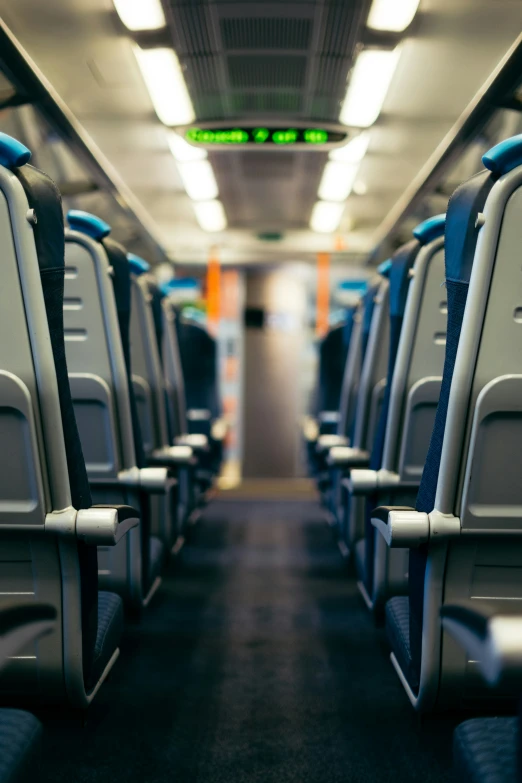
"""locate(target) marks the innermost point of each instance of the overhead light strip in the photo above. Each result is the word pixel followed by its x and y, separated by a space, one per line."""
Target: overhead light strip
pixel 354 151
pixel 163 76
pixel 140 14
pixel 337 180
pixel 183 151
pixel 326 216
pixel 369 83
pixel 392 15
pixel 199 180
pixel 210 215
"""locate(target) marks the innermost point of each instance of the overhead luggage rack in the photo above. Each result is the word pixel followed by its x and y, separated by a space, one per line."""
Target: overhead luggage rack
pixel 31 87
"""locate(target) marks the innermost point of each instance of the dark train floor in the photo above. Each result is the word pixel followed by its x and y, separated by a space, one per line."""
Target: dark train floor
pixel 256 662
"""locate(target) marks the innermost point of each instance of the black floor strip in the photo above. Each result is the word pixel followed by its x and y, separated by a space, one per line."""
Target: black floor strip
pixel 256 662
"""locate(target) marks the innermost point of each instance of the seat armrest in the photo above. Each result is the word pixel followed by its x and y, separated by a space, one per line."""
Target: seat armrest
pixel 327 442
pixel 329 417
pixel 173 456
pixel 219 429
pixel 310 429
pixel 155 480
pixel 199 414
pixel 366 482
pixel 23 623
pixel 345 457
pixel 401 526
pixel 105 525
pixel 196 441
pixel 490 636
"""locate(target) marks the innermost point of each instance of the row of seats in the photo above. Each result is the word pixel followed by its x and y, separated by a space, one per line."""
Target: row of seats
pixel 109 416
pixel 421 478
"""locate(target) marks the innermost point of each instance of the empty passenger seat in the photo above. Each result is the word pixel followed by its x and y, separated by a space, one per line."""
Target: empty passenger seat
pixel 464 536
pixel 97 321
pixel 49 528
pixel 418 325
pixel 20 732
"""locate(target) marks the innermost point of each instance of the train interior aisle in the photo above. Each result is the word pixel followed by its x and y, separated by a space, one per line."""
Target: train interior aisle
pixel 260 391
pixel 258 662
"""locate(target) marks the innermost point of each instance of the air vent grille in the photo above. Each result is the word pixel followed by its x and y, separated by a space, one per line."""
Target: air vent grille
pixel 275 71
pixel 273 102
pixel 266 33
pixel 268 165
pixel 193 30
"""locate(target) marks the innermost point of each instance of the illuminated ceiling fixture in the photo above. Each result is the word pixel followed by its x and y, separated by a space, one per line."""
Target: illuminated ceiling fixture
pixel 360 188
pixel 183 151
pixel 326 216
pixel 369 83
pixel 140 14
pixel 392 15
pixel 210 215
pixel 199 180
pixel 337 181
pixel 354 151
pixel 162 74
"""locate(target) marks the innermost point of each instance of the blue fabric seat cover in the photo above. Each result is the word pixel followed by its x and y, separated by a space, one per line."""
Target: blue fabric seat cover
pixel 20 738
pixel 460 242
pixel 399 276
pixel 485 750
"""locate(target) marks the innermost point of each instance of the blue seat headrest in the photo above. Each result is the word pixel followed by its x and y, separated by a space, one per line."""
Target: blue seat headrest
pixel 85 223
pixel 384 268
pixel 461 225
pixel 138 266
pixel 13 153
pixel 504 157
pixel 359 286
pixel 430 229
pixel 401 263
pixel 368 303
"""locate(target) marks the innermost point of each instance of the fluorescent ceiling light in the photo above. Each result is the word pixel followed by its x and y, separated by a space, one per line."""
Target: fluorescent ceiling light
pixel 393 15
pixel 369 82
pixel 210 215
pixel 360 188
pixel 337 181
pixel 199 180
pixel 140 14
pixel 182 150
pixel 354 151
pixel 162 74
pixel 326 216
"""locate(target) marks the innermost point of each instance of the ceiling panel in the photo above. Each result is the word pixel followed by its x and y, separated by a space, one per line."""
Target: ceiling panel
pixel 254 60
pixel 266 33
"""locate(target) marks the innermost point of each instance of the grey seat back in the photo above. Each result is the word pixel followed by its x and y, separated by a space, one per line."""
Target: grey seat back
pixel 95 359
pixel 147 374
pixel 414 395
pixel 475 541
pixel 41 552
pixel 373 374
pixel 357 350
pixel 173 373
pixel 418 370
pixel 100 391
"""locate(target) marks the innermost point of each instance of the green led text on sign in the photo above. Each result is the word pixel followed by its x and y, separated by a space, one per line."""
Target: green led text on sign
pixel 278 136
pixel 260 135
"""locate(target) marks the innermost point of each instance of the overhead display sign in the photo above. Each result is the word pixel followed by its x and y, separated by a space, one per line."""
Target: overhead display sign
pixel 262 135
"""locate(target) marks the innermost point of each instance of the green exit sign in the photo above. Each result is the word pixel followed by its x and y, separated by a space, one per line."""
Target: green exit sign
pixel 260 136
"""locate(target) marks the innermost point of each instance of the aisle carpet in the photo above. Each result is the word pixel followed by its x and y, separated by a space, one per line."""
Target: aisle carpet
pixel 256 663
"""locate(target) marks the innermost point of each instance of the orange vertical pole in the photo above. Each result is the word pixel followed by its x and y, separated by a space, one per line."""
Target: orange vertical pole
pixel 213 289
pixel 323 293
